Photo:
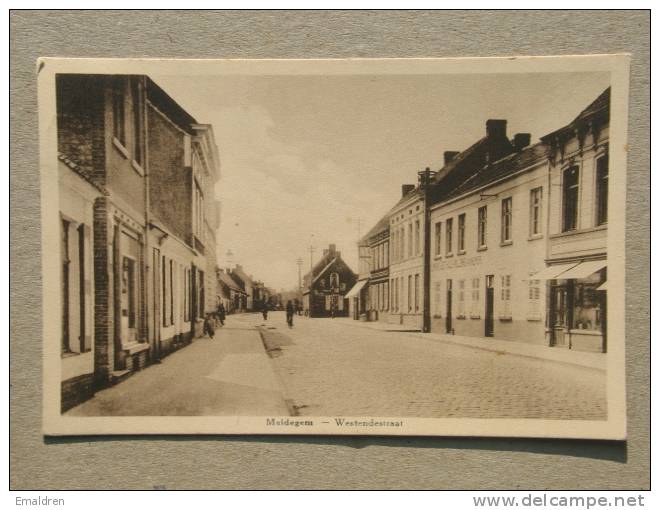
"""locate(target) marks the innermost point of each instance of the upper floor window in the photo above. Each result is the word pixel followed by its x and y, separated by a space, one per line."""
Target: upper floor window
pixel 535 203
pixel 410 240
pixel 461 233
pixel 448 236
pixel 602 181
pixel 198 211
pixel 138 123
pixel 570 187
pixel 507 213
pixel 119 112
pixel 481 227
pixel 438 238
pixel 417 232
pixel 334 281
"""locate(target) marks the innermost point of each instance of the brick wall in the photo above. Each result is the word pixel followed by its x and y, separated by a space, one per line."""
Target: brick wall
pixel 103 293
pixel 81 122
pixel 170 184
pixel 76 390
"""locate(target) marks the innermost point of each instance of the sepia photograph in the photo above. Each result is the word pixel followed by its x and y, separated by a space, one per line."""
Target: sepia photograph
pixel 362 247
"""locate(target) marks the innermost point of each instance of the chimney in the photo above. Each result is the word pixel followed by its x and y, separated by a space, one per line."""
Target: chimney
pixel 450 155
pixel 496 128
pixel 521 140
pixel 332 249
pixel 406 188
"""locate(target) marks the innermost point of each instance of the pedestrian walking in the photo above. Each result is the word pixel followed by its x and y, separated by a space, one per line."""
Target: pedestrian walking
pixel 209 325
pixel 264 311
pixel 222 314
pixel 289 313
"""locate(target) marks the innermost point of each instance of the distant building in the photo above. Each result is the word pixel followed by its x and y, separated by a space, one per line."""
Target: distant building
pixel 229 293
pixel 246 284
pixel 358 298
pixel 378 291
pixel 326 286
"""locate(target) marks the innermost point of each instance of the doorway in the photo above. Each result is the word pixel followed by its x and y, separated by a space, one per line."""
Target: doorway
pixel 489 325
pixel 448 323
pixel 558 302
pixel 128 301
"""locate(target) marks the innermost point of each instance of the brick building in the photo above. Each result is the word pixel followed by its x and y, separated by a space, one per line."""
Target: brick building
pixel 326 285
pixel 132 146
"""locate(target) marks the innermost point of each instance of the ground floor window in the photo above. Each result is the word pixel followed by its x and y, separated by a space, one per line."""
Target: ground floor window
pixel 534 300
pixel 505 297
pixel 475 309
pixel 588 303
pixel 461 299
pixel 438 299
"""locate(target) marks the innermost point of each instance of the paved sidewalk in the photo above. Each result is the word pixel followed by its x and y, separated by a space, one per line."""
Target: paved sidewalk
pixel 230 375
pixel 586 359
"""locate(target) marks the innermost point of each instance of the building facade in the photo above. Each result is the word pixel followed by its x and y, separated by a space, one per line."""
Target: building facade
pixel 576 254
pixel 358 296
pixel 326 286
pixel 132 144
pixel 488 238
pixel 406 260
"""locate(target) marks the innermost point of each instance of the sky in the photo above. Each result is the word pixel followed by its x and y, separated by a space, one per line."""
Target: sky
pixel 313 160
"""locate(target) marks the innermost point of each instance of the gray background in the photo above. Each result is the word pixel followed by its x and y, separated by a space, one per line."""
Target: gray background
pixel 317 462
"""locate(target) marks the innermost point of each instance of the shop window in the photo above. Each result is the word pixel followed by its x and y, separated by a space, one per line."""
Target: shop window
pixel 570 195
pixel 505 298
pixel 448 236
pixel 507 219
pixel 602 182
pixel 461 299
pixel 535 211
pixel 475 299
pixel 587 309
pixel 438 238
pixel 481 227
pixel 461 233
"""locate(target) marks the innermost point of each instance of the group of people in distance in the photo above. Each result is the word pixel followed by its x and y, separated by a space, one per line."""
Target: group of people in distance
pixel 213 318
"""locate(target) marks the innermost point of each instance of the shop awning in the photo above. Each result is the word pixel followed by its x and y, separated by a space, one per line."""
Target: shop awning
pixel 583 270
pixel 552 272
pixel 603 286
pixel 356 289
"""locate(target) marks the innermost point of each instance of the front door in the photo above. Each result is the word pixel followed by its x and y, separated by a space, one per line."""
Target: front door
pixel 489 326
pixel 558 315
pixel 448 324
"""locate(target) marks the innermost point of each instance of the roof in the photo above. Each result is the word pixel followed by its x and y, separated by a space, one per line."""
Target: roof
pixel 599 107
pixel 82 172
pixel 382 225
pixel 507 166
pixel 172 110
pixel 228 281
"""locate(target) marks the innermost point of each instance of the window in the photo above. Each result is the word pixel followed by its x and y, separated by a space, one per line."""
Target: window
pixel 186 294
pixel 534 304
pixel 198 211
pixel 402 240
pixel 438 239
pixel 334 281
pixel 387 295
pixel 201 294
pixel 392 295
pixel 171 276
pixel 417 237
pixel 416 292
pixel 475 308
pixel 602 181
pixel 118 111
pixel 410 290
pixel 570 198
pixel 535 216
pixel 481 227
pixel 461 299
pixel 138 124
pixel 386 254
pixel 438 299
pixel 461 233
pixel 410 240
pixel 448 236
pixel 128 269
pixel 66 345
pixel 166 290
pixel 505 297
pixel 506 219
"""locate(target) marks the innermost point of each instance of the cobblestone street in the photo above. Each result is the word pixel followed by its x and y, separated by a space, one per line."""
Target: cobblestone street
pixel 331 367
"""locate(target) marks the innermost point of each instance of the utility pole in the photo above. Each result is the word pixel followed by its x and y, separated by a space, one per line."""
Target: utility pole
pixel 311 264
pixel 300 263
pixel 425 182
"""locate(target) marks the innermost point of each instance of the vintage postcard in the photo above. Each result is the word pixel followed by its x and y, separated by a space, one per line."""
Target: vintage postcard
pixel 378 247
